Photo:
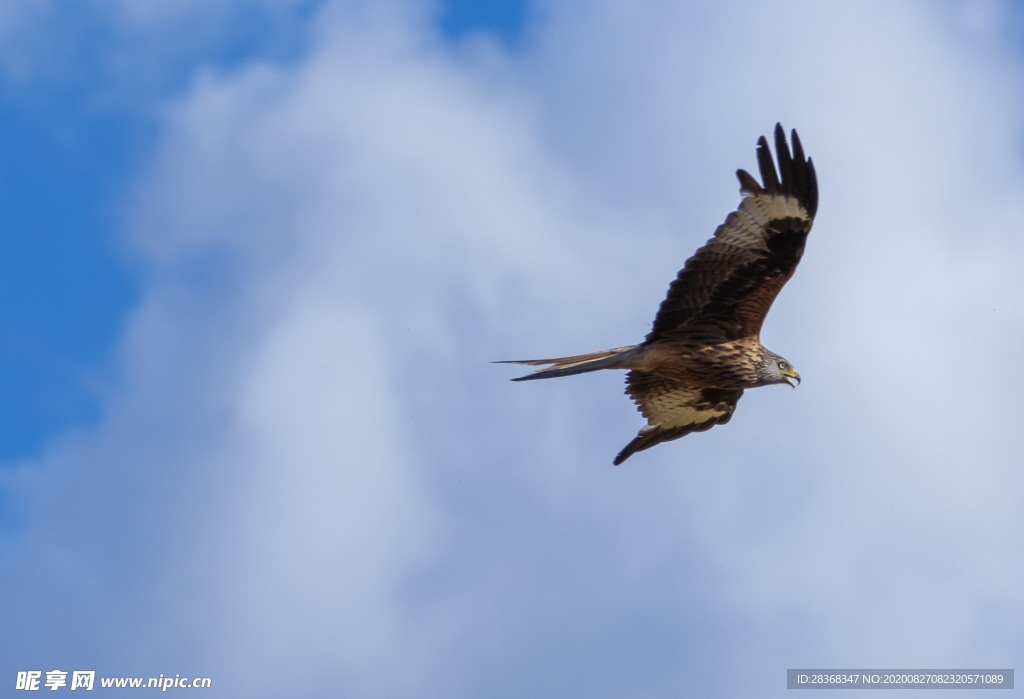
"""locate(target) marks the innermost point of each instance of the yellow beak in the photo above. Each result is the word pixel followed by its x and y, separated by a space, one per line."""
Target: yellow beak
pixel 792 378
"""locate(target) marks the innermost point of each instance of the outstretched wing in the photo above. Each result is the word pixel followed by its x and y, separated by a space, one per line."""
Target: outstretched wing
pixel 731 282
pixel 674 409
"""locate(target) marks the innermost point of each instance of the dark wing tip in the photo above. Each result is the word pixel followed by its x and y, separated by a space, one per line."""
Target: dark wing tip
pixel 638 443
pixel 782 154
pixel 812 189
pixel 795 175
pixel 767 166
pixel 643 440
pixel 652 436
pixel 747 183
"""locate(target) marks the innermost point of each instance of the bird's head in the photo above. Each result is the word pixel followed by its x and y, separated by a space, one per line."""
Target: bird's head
pixel 775 369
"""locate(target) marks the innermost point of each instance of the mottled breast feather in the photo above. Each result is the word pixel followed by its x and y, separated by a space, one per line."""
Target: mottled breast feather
pixel 727 287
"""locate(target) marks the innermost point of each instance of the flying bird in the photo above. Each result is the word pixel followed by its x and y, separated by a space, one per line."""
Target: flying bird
pixel 704 348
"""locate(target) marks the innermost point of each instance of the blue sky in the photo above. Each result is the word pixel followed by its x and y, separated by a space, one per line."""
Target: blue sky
pixel 73 140
pixel 260 255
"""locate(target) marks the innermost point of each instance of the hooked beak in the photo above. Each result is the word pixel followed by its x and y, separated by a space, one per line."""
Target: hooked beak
pixel 792 378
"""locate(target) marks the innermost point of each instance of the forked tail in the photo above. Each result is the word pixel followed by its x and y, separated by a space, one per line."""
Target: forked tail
pixel 617 358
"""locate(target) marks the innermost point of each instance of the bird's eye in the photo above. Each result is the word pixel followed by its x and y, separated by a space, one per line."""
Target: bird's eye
pixel 783 366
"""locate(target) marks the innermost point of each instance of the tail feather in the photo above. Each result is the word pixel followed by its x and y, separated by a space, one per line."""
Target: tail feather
pixel 579 364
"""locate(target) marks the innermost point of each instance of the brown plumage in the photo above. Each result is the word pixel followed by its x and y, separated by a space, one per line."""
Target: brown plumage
pixel 704 348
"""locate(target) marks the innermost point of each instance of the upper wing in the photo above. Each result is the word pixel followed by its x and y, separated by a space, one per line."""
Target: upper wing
pixel 731 282
pixel 674 410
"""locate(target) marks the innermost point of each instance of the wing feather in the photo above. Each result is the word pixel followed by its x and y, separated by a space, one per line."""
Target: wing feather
pixel 767 166
pixel 730 283
pixel 674 409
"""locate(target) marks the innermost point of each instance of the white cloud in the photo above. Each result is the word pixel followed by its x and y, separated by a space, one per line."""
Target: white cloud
pixel 311 479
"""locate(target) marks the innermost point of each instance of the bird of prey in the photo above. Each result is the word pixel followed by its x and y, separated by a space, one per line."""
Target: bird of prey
pixel 704 348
